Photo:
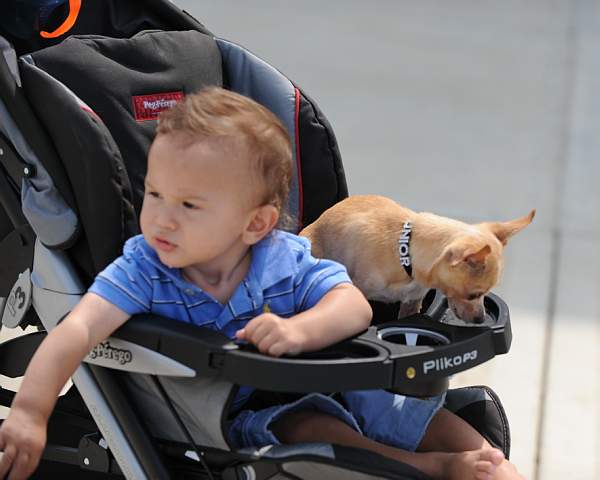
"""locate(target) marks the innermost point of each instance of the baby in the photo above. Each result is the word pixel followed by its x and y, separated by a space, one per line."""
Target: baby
pixel 218 178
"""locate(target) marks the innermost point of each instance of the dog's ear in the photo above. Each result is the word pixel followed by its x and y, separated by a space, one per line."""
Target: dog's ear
pixel 504 230
pixel 478 258
pixel 474 256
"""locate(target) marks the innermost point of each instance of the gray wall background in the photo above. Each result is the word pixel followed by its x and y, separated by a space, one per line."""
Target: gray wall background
pixel 432 102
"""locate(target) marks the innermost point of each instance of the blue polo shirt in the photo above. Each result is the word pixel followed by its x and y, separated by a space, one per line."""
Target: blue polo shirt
pixel 283 275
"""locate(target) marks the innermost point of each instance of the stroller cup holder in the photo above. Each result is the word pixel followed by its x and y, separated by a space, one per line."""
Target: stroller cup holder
pixel 497 318
pixel 413 356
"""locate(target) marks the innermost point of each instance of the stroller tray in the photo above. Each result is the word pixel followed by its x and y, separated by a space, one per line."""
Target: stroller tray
pixel 413 356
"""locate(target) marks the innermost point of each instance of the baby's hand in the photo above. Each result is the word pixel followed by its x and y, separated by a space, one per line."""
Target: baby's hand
pixel 22 439
pixel 273 335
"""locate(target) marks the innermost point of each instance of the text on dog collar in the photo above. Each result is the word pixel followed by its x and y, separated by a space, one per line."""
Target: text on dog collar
pixel 403 248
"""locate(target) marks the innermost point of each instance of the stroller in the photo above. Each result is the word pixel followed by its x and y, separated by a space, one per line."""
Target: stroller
pixel 77 116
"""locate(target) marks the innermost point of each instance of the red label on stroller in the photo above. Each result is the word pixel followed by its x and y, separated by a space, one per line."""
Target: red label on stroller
pixel 148 107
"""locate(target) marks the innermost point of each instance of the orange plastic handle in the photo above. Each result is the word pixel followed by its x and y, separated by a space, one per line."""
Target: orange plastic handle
pixel 74 7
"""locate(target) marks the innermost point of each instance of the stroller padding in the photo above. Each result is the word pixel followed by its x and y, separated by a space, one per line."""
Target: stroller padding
pixel 250 76
pixel 107 72
pixel 58 222
pixel 82 90
pixel 97 176
pixel 193 398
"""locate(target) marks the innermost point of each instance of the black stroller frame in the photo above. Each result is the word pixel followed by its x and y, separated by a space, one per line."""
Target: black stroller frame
pixel 145 387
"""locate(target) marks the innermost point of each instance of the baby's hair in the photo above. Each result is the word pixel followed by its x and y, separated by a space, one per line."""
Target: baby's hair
pixel 222 115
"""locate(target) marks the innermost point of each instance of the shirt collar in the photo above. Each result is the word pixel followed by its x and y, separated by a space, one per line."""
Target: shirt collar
pixel 271 262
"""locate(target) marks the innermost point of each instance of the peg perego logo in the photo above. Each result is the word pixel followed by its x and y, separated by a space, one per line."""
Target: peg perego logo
pixel 445 363
pixel 159 104
pixel 105 350
pixel 148 107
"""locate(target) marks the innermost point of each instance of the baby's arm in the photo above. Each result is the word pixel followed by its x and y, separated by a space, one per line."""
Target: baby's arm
pixel 341 313
pixel 23 433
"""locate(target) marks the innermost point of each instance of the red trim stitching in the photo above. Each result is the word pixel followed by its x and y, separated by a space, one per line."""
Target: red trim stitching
pixel 298 160
pixel 87 109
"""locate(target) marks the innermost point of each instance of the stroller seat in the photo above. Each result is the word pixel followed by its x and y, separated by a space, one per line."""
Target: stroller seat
pixel 77 117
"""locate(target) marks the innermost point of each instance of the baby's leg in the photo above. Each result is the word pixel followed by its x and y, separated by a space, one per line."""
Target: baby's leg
pixel 448 432
pixel 310 426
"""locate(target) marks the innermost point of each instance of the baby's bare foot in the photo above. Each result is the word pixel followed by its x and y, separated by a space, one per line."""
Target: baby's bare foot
pixel 473 465
pixel 508 471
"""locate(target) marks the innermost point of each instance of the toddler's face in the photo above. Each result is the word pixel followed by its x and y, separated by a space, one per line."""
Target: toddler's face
pixel 197 202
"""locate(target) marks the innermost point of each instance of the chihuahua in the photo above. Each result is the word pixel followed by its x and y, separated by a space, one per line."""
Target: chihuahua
pixel 396 255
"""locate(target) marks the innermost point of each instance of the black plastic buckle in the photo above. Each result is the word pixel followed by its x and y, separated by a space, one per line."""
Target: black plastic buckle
pixel 92 454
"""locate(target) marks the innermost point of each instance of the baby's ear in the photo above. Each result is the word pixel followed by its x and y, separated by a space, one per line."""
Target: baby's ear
pixel 262 220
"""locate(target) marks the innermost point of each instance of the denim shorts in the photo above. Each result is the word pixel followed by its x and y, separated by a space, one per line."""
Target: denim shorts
pixel 382 416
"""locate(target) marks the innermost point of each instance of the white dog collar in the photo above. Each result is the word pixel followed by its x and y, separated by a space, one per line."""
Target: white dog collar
pixel 403 248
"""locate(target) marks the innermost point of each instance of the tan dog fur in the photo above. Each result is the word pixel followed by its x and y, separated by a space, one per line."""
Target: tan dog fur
pixel 463 261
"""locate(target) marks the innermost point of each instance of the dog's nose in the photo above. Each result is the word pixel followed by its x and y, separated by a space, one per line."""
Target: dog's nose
pixel 479 319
